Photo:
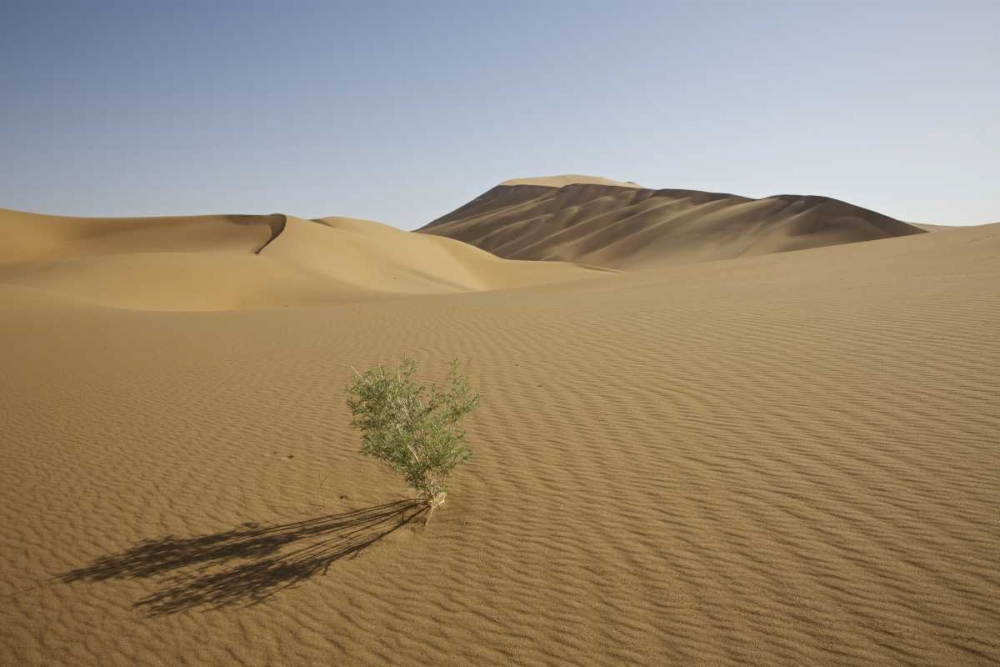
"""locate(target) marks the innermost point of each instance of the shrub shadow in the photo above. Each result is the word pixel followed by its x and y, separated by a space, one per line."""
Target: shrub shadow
pixel 248 564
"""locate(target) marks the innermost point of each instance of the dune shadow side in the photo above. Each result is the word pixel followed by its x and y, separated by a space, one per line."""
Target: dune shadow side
pixel 248 564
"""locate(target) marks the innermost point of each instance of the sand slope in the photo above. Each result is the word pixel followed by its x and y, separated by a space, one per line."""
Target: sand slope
pixel 624 226
pixel 239 261
pixel 779 460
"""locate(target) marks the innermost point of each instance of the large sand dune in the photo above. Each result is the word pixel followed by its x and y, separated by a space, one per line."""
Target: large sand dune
pixel 621 225
pixel 789 459
pixel 243 261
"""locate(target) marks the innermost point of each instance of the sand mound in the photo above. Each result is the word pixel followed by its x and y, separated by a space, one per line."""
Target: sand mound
pixel 386 259
pixel 236 261
pixel 629 228
pixel 789 459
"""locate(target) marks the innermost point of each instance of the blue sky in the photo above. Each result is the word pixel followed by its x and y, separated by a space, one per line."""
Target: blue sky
pixel 402 111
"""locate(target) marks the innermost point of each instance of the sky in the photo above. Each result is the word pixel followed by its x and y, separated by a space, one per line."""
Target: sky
pixel 403 111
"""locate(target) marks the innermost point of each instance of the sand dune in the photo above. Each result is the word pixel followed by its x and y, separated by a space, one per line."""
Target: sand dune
pixel 242 261
pixel 30 237
pixel 602 223
pixel 785 459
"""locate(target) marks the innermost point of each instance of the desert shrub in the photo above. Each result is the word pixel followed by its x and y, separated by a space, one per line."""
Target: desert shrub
pixel 413 427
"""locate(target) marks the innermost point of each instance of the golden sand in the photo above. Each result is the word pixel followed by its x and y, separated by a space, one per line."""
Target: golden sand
pixel 788 459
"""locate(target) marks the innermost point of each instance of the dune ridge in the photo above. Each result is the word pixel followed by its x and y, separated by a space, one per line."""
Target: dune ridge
pixel 569 179
pixel 227 262
pixel 631 227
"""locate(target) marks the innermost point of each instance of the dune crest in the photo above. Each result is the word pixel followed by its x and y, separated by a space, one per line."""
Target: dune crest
pixel 635 228
pixel 569 179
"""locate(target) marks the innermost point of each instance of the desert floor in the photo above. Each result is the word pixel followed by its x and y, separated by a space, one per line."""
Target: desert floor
pixel 789 459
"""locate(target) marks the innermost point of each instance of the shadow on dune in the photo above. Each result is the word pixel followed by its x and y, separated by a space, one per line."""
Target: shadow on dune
pixel 246 565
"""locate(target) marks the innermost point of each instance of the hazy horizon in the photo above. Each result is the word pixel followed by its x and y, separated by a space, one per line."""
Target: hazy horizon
pixel 400 113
